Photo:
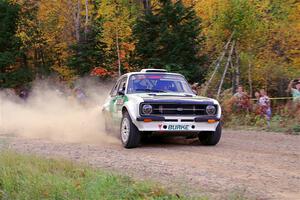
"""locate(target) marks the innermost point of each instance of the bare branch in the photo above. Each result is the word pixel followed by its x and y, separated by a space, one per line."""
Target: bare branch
pixel 219 60
pixel 226 68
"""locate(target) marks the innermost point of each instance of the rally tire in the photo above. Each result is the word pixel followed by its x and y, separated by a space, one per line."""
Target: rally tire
pixel 130 135
pixel 211 138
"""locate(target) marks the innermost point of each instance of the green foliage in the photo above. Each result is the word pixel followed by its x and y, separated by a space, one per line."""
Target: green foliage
pixel 250 121
pixel 72 38
pixel 238 16
pixel 169 37
pixel 296 129
pixel 88 53
pixel 10 76
pixel 30 177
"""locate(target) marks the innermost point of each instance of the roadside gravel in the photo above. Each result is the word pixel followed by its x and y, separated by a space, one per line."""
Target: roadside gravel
pixel 259 165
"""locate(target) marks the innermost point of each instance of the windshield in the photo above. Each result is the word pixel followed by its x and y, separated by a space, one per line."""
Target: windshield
pixel 157 83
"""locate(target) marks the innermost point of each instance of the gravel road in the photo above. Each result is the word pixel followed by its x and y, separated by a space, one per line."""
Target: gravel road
pixel 260 165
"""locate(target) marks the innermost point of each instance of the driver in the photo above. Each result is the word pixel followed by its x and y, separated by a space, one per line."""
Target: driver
pixel 164 86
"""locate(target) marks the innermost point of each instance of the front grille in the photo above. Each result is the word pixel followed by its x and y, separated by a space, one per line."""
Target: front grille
pixel 177 109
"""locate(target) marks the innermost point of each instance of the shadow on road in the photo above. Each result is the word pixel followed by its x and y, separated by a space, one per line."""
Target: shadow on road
pixel 169 141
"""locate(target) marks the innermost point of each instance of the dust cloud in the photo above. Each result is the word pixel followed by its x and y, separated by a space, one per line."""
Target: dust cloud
pixel 56 113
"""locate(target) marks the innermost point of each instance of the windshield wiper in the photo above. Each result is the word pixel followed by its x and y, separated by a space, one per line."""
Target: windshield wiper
pixel 150 90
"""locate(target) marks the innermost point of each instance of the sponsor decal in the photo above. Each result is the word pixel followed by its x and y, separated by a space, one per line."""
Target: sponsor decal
pixel 120 101
pixel 178 127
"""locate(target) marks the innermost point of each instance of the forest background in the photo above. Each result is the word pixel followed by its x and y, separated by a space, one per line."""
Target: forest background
pixel 257 42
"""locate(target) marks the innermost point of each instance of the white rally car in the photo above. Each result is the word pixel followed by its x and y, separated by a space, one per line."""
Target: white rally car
pixel 155 102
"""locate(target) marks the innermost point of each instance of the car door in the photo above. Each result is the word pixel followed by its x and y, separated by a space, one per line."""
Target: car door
pixel 117 100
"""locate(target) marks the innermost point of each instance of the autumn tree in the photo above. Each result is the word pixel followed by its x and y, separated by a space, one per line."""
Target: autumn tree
pixel 170 37
pixel 88 53
pixel 118 18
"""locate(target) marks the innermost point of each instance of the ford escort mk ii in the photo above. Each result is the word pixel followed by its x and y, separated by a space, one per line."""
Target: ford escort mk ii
pixel 155 102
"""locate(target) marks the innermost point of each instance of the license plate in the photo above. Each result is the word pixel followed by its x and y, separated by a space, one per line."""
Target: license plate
pixel 178 127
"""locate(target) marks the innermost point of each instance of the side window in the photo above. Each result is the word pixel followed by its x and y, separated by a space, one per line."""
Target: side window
pixel 114 90
pixel 122 85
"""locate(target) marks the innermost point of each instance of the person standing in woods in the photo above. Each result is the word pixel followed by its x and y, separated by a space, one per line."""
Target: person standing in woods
pixel 256 107
pixel 265 106
pixel 295 90
pixel 241 100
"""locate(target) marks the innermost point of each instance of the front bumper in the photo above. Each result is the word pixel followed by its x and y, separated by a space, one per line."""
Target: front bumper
pixel 177 124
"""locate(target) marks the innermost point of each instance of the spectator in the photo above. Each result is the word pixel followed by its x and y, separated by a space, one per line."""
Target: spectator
pixel 24 93
pixel 256 107
pixel 257 96
pixel 241 100
pixel 295 90
pixel 195 87
pixel 240 93
pixel 80 96
pixel 265 106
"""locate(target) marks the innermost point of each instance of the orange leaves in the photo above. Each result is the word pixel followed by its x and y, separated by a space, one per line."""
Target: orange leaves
pixel 128 46
pixel 100 71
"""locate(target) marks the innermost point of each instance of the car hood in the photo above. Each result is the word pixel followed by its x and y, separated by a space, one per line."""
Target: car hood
pixel 173 98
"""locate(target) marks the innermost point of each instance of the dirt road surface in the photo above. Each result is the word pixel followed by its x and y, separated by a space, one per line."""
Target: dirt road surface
pixel 260 165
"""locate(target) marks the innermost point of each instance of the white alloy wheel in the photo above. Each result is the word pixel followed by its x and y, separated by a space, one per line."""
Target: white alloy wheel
pixel 125 128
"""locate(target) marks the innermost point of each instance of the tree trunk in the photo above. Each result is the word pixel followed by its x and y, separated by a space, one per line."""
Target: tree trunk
pixel 219 60
pixel 237 68
pixel 86 19
pixel 35 58
pixel 232 77
pixel 226 68
pixel 250 77
pixel 77 21
pixel 147 6
pixel 118 53
pixel 71 16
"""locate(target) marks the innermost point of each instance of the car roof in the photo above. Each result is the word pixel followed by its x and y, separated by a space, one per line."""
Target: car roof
pixel 164 73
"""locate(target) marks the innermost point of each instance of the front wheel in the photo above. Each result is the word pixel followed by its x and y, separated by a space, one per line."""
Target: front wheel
pixel 211 138
pixel 130 135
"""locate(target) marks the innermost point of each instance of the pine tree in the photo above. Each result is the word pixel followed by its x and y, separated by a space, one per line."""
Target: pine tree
pixel 88 53
pixel 12 74
pixel 170 37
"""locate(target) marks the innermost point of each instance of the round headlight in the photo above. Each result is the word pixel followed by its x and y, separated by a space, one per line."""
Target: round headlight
pixel 210 110
pixel 147 109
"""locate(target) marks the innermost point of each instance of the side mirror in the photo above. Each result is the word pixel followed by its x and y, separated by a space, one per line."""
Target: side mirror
pixel 195 92
pixel 121 93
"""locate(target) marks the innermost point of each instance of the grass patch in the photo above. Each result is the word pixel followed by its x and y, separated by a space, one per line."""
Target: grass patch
pixel 3 143
pixel 257 123
pixel 31 177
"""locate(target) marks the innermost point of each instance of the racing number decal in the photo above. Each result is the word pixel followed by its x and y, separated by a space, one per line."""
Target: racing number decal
pixel 119 103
